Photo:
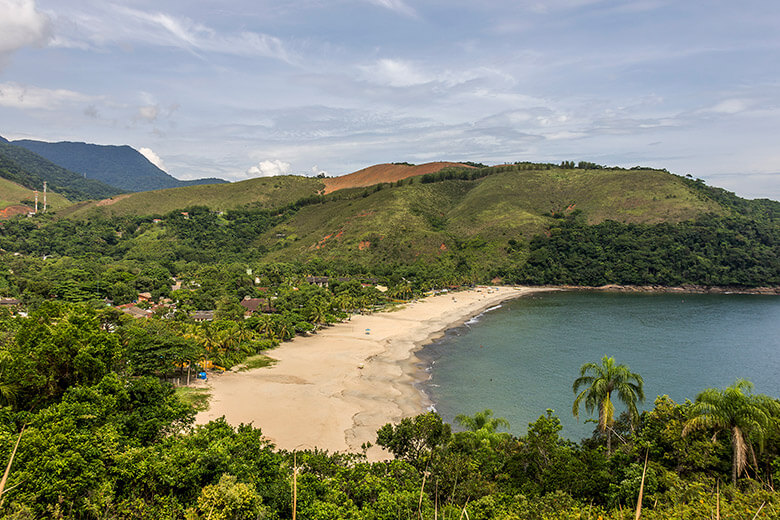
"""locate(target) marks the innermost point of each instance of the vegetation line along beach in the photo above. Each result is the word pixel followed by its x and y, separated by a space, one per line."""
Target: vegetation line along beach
pixel 333 390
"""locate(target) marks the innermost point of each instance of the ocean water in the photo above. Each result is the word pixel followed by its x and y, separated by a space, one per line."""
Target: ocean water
pixel 522 358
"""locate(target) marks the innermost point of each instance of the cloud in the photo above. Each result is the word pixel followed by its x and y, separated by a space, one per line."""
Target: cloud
pixel 122 25
pixel 729 106
pixel 269 169
pixel 395 73
pixel 19 96
pixel 398 6
pixel 152 157
pixel 316 170
pixel 21 25
pixel 149 112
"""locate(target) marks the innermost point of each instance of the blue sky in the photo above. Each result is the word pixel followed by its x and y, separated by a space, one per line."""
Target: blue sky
pixel 237 89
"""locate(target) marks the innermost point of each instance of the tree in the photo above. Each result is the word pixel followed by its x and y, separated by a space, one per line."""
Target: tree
pixel 607 378
pixel 483 420
pixel 740 413
pixel 482 426
pixel 414 438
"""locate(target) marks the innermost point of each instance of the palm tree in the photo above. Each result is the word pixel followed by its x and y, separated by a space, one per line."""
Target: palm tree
pixel 483 427
pixel 482 421
pixel 740 413
pixel 605 379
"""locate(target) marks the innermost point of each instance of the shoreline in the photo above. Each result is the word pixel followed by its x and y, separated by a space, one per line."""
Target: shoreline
pixel 678 289
pixel 333 390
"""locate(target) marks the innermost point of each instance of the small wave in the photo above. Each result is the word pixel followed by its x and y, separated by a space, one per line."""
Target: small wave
pixel 476 318
pixel 432 408
pixel 434 385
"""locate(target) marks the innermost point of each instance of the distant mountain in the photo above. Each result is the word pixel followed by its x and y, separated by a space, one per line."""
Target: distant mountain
pixel 3 139
pixel 120 166
pixel 30 170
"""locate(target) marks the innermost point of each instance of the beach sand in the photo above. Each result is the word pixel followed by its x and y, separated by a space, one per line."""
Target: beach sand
pixel 333 390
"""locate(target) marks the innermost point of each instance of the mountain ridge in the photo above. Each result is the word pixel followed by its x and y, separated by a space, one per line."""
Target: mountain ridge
pixel 121 166
pixel 31 170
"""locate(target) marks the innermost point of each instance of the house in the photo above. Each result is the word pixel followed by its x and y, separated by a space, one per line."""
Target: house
pixel 10 302
pixel 323 281
pixel 136 312
pixel 253 305
pixel 202 315
pixel 145 297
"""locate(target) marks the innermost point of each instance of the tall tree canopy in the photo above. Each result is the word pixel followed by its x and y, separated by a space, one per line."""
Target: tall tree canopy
pixel 738 411
pixel 602 381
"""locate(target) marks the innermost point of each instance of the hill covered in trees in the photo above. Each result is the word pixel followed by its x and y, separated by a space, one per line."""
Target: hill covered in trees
pixel 30 170
pixel 536 224
pixel 120 166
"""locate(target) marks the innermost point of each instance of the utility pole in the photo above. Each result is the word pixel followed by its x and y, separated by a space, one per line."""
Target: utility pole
pixel 44 196
pixel 36 202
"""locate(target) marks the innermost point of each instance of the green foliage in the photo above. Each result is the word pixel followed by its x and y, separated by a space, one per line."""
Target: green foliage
pixel 597 395
pixel 53 349
pixel 229 500
pixel 746 418
pixel 117 166
pixel 724 251
pixel 414 439
pixel 30 170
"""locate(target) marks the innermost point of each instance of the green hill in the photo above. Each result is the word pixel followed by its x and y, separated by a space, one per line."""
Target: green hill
pixel 24 167
pixel 264 192
pixel 119 166
pixel 522 223
pixel 14 198
pixel 425 219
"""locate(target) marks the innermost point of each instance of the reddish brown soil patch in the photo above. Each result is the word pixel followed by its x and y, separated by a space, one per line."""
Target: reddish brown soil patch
pixel 12 211
pixel 112 200
pixel 364 244
pixel 383 173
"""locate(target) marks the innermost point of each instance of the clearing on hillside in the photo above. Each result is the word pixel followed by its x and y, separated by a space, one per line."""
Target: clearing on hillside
pixel 384 173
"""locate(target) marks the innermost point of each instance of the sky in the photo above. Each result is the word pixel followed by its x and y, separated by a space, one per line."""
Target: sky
pixel 245 88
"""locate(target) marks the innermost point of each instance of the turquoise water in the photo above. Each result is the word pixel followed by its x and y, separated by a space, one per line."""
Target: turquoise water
pixel 522 358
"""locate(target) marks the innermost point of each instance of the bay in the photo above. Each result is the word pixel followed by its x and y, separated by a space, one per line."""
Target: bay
pixel 523 357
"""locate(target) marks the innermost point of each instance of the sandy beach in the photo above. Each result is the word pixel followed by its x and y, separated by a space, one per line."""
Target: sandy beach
pixel 333 390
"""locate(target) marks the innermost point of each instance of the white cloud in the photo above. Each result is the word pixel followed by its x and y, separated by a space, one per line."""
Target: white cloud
pixel 122 25
pixel 316 170
pixel 729 106
pixel 19 96
pixel 149 112
pixel 21 25
pixel 152 157
pixel 269 169
pixel 399 6
pixel 395 73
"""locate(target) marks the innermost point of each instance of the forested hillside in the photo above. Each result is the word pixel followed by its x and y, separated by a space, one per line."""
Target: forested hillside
pixel 30 170
pixel 120 166
pixel 517 223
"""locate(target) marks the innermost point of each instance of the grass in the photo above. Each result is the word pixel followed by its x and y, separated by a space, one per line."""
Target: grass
pixel 12 194
pixel 267 192
pixel 256 361
pixel 197 397
pixel 471 220
pixel 422 221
